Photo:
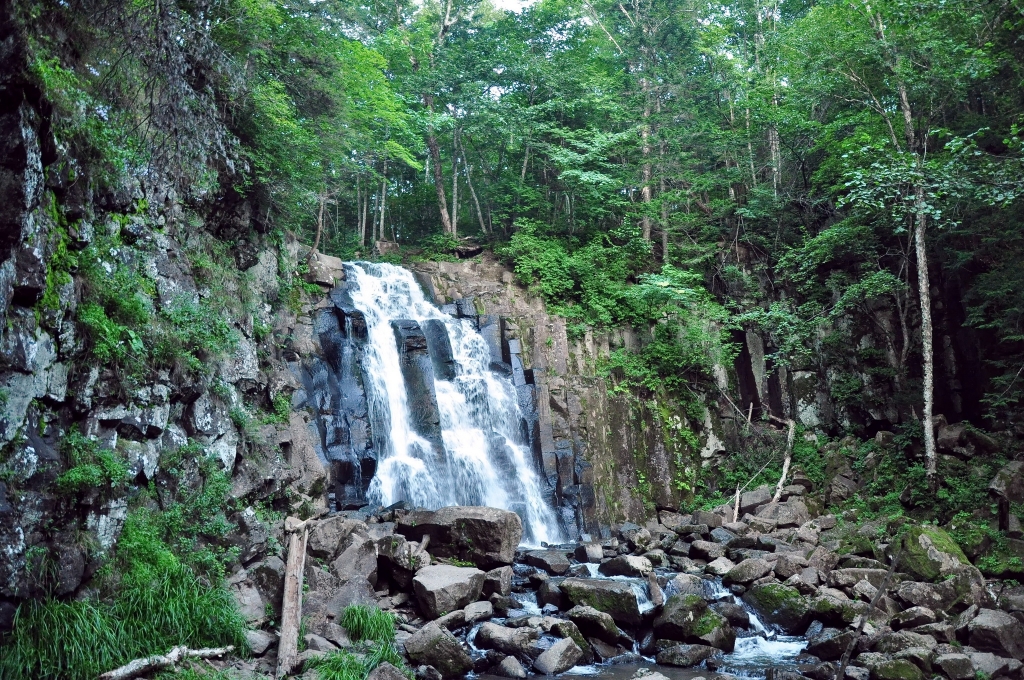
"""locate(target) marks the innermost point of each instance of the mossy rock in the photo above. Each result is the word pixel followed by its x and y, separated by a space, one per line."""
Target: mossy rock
pixel 781 605
pixel 680 618
pixel 930 553
pixel 896 669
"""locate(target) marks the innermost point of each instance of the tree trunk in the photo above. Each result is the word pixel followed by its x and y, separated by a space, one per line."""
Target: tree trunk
pixel 647 172
pixel 472 191
pixel 291 607
pixel 924 291
pixel 455 183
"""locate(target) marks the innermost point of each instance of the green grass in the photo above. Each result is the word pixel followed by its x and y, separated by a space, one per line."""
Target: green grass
pixel 342 665
pixel 158 603
pixel 368 623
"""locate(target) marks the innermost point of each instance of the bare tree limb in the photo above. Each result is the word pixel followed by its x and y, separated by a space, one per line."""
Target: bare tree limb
pixel 139 667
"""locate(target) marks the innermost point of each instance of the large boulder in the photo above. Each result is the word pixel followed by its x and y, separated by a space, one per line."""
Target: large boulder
pixel 331 536
pixel 687 618
pixel 998 632
pixel 791 513
pixel 595 624
pixel 747 571
pixel 612 597
pixel 626 565
pixel 402 558
pixel 487 537
pixel 930 553
pixel 434 646
pixel 779 604
pixel 1009 482
pixel 512 641
pixel 442 588
pixel 686 656
pixel 829 644
pixel 552 561
pixel 558 658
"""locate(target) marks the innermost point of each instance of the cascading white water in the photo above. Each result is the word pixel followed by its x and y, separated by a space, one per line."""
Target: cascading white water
pixel 479 414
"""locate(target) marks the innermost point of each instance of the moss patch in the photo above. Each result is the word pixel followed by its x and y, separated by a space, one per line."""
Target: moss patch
pixel 919 544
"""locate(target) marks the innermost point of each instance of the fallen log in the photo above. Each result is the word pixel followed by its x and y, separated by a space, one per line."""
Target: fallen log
pixel 139 667
pixel 291 607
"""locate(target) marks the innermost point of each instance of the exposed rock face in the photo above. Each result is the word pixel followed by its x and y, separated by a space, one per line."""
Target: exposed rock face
pixel 488 537
pixel 442 588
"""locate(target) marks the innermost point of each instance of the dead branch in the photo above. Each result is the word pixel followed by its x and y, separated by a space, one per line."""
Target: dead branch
pixel 140 667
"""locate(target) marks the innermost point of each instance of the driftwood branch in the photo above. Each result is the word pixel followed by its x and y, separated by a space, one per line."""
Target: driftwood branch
pixel 841 672
pixel 789 455
pixel 140 667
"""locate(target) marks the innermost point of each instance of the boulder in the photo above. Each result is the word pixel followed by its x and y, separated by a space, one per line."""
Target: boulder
pixel 626 565
pixel 830 644
pixel 789 565
pixel 993 666
pixel 998 632
pixel 930 553
pixel 510 668
pixel 686 656
pixel 386 671
pixel 791 513
pixel 434 646
pixel 779 604
pixel 478 611
pixel 595 624
pixel 259 641
pixel 913 617
pixel 848 578
pixel 589 552
pixel 552 561
pixel 685 584
pixel 750 500
pixel 634 536
pixel 747 571
pixel 720 566
pixel 402 558
pixel 687 618
pixel 498 581
pixel 558 658
pixel 330 536
pixel 735 614
pixel 1009 482
pixel 443 588
pixel 707 550
pixel 889 643
pixel 956 666
pixel 612 597
pixel 515 641
pixel 357 561
pixel 569 630
pixel 487 537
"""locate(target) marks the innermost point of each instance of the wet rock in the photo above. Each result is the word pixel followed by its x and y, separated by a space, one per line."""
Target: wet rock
pixel 550 594
pixel 686 656
pixel 569 630
pixel 589 552
pixel 687 618
pixel 779 604
pixel 735 614
pixel 453 620
pixel 513 641
pixel 612 597
pixel 747 571
pixel 553 561
pixel 434 646
pixel 558 658
pixel 685 584
pixel 510 668
pixel 595 624
pixel 626 565
pixel 998 632
pixel 830 644
pixel 442 588
pixel 488 537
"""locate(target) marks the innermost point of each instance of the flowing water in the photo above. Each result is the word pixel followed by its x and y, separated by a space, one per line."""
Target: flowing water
pixel 483 459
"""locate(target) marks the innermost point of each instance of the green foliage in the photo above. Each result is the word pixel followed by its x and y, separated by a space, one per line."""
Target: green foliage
pixel 89 467
pixel 368 623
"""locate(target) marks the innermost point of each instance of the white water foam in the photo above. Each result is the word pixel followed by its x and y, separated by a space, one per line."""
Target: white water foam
pixel 484 460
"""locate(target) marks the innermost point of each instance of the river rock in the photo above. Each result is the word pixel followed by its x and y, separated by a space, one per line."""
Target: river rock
pixel 779 604
pixel 402 558
pixel 589 552
pixel 443 588
pixel 487 537
pixel 478 611
pixel 595 624
pixel 747 571
pixel 498 581
pixel 687 618
pixel 998 632
pixel 558 658
pixel 510 668
pixel 686 656
pixel 434 646
pixel 612 597
pixel 735 614
pixel 514 641
pixel 626 565
pixel 830 643
pixel 552 561
pixel 685 584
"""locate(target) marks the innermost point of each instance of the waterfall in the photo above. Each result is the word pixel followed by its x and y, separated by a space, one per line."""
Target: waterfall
pixel 458 440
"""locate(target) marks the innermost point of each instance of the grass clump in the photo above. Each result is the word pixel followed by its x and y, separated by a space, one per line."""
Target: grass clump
pixel 90 466
pixel 149 601
pixel 368 623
